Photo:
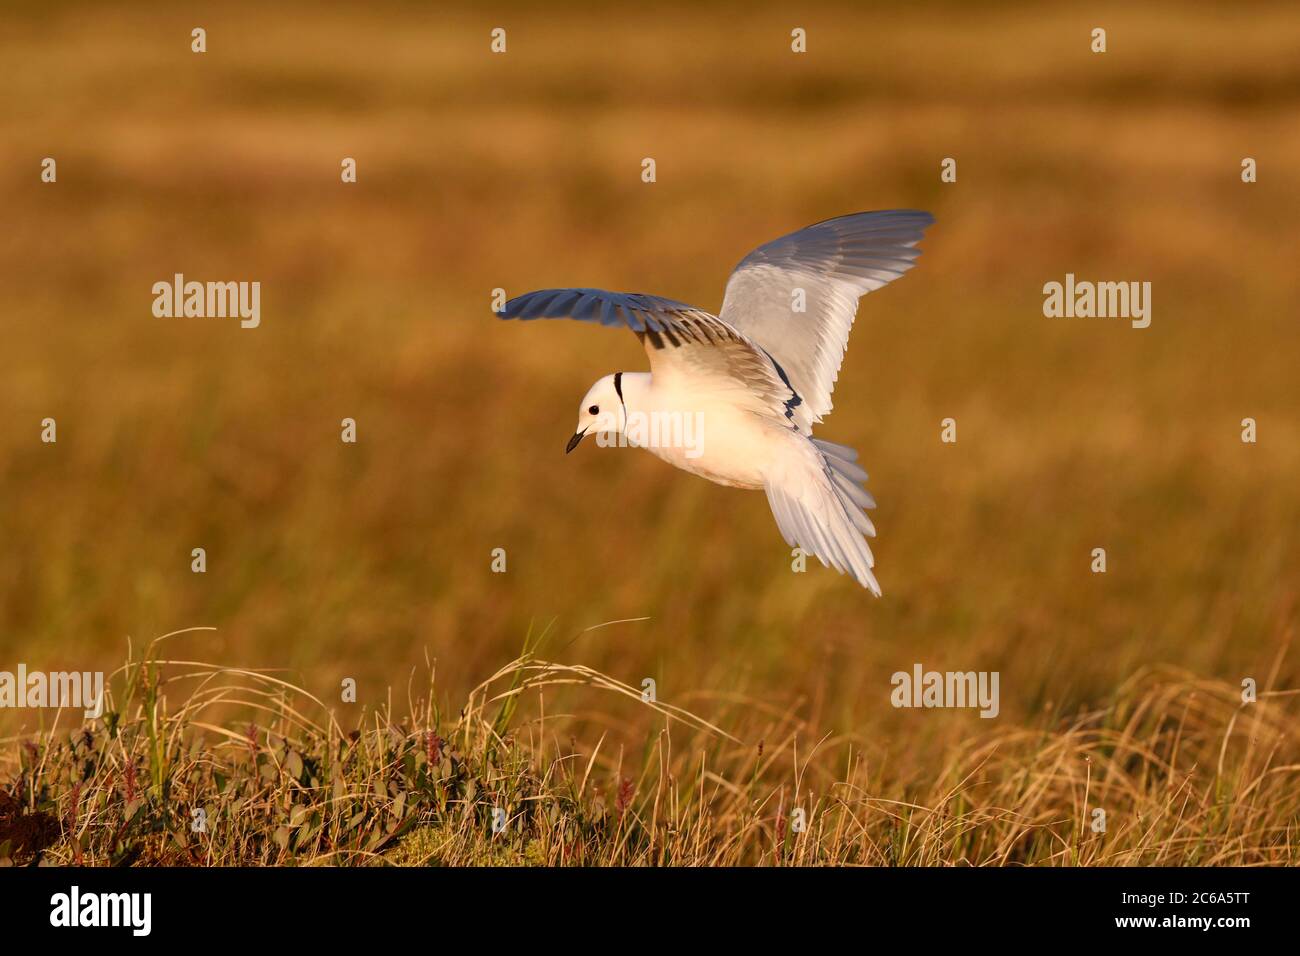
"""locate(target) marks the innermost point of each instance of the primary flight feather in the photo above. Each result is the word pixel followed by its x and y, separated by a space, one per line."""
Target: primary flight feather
pixel 750 383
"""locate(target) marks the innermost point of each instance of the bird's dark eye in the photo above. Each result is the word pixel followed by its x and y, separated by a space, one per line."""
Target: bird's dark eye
pixel 595 409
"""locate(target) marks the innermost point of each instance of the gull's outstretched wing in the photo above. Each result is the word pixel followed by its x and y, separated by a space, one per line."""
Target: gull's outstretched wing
pixel 640 313
pixel 828 266
pixel 680 339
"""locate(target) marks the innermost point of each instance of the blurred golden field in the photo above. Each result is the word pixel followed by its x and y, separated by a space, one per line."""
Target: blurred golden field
pixel 477 171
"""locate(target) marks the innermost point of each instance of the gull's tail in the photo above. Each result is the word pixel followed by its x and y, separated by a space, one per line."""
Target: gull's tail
pixel 818 500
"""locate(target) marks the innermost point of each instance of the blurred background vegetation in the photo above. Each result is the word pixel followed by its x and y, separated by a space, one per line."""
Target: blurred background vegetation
pixel 522 171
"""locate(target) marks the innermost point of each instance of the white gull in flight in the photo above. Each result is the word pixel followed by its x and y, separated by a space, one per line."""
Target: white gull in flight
pixel 750 382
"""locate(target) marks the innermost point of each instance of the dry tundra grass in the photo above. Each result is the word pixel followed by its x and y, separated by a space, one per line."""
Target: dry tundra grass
pixel 1186 774
pixel 371 561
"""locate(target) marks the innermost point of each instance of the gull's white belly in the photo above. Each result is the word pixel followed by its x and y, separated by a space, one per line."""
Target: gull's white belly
pixel 720 442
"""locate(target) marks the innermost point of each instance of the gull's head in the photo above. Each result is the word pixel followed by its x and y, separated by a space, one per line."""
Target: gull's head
pixel 602 410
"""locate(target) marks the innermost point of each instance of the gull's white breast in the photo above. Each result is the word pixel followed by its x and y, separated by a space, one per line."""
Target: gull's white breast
pixel 710 434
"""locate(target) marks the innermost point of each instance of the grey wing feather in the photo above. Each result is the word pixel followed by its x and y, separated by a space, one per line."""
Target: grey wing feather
pixel 631 310
pixel 832 264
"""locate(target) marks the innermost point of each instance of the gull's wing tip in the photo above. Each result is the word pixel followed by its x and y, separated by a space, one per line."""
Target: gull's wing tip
pixel 513 307
pixel 922 218
pixel 543 304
